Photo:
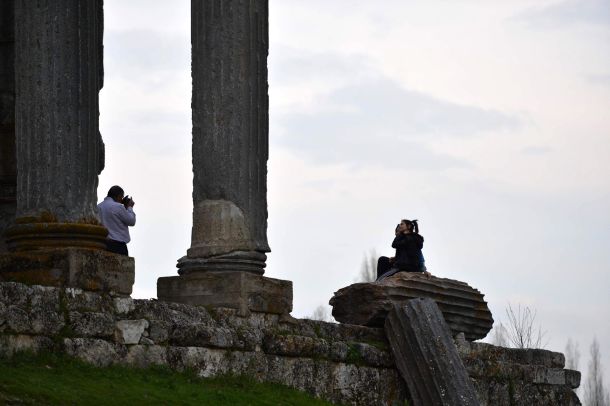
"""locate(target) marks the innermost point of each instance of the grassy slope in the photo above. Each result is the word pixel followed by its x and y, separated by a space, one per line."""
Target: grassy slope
pixel 52 380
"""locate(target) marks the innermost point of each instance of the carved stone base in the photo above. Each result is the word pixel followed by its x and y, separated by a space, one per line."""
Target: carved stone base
pixel 87 269
pixel 243 291
pixel 39 235
pixel 246 261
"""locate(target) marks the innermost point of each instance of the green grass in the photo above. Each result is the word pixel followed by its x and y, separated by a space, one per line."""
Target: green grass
pixel 50 379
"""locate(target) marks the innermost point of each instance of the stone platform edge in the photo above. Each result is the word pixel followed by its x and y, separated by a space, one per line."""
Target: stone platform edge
pixel 341 363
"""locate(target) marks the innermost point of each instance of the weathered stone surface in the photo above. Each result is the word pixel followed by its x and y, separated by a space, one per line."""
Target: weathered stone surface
pixel 344 363
pixel 230 136
pixel 130 331
pixel 11 344
pixel 94 351
pixel 368 303
pixel 533 356
pixel 426 356
pixel 18 320
pixel 92 324
pixel 16 294
pixel 244 291
pixel 124 305
pixel 58 68
pixel 143 356
pixel 520 376
pixel 8 158
pixel 76 299
pixel 88 269
pixel 332 381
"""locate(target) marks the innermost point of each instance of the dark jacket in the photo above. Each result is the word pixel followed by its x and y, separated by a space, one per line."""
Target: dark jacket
pixel 408 247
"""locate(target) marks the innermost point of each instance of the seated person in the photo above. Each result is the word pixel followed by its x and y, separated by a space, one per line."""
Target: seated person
pixel 409 258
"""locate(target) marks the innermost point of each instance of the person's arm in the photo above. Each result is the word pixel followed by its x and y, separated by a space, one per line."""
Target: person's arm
pixel 127 216
pixel 399 241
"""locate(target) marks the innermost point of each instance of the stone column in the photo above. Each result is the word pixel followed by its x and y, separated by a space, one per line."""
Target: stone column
pixel 8 162
pixel 56 238
pixel 58 65
pixel 226 260
pixel 230 136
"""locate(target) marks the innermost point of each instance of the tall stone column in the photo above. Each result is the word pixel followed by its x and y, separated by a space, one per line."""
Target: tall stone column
pixel 226 260
pixel 8 161
pixel 56 238
pixel 58 65
pixel 230 136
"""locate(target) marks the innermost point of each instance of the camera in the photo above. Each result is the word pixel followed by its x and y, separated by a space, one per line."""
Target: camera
pixel 126 201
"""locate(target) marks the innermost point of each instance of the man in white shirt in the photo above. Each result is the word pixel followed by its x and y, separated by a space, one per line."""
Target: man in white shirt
pixel 116 214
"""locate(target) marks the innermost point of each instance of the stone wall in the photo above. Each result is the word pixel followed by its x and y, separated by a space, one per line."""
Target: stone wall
pixel 342 363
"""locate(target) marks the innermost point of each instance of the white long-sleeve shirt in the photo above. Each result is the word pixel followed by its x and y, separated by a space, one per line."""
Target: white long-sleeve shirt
pixel 117 219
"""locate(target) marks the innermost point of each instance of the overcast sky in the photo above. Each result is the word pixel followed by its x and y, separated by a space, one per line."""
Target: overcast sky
pixel 487 121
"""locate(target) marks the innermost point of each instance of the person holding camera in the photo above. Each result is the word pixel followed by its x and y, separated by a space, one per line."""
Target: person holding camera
pixel 117 215
pixel 408 244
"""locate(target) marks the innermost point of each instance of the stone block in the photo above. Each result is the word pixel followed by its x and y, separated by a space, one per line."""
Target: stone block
pixel 18 320
pixel 159 331
pixel 123 305
pixel 14 294
pixel 11 344
pixel 243 291
pixel 88 269
pixel 76 299
pixel 130 331
pixel 368 304
pixel 572 378
pixel 202 335
pixel 143 356
pixel 94 351
pixel 47 322
pixel 91 324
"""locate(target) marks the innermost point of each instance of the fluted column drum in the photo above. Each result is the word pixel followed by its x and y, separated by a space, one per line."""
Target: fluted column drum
pixel 230 136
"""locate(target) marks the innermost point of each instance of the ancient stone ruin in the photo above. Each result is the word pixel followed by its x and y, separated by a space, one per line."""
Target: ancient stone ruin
pixel 406 339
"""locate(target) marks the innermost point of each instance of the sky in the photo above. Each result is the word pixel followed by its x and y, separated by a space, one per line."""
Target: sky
pixel 487 121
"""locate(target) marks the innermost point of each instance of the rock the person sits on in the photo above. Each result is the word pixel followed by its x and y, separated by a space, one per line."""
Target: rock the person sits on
pixel 117 215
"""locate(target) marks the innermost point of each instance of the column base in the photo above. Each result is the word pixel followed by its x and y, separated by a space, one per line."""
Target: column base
pixel 88 269
pixel 243 291
pixel 33 236
pixel 245 261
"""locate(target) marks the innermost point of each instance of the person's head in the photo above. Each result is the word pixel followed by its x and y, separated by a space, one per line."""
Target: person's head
pixel 409 226
pixel 116 193
pixel 415 226
pixel 405 226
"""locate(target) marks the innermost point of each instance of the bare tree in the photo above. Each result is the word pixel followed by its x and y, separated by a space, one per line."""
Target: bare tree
pixel 522 331
pixel 368 270
pixel 572 354
pixel 499 336
pixel 321 314
pixel 595 394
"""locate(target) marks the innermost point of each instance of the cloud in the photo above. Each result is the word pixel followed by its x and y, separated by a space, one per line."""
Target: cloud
pixel 288 65
pixel 536 150
pixel 599 79
pixel 381 123
pixel 568 12
pixel 146 55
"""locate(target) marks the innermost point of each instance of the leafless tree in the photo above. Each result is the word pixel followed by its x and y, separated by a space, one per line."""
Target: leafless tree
pixel 522 331
pixel 572 354
pixel 595 394
pixel 499 336
pixel 368 270
pixel 321 313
